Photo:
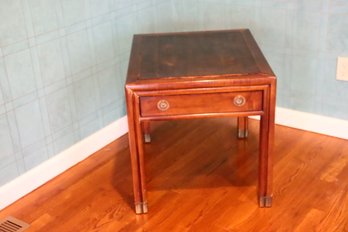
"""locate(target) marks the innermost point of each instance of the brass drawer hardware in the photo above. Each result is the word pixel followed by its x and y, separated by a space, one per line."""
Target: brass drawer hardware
pixel 239 100
pixel 163 105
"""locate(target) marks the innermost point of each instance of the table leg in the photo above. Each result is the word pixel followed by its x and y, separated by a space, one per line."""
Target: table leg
pixel 146 129
pixel 265 165
pixel 136 154
pixel 140 146
pixel 242 127
pixel 266 150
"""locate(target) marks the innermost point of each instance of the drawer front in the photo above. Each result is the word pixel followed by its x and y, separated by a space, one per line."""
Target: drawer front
pixel 201 103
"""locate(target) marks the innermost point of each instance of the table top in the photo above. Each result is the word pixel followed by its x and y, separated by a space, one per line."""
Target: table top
pixel 186 55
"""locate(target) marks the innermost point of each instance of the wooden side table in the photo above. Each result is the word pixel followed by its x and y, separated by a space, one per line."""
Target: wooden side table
pixel 195 75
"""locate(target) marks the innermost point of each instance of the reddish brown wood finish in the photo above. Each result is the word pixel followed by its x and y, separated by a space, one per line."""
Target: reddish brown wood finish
pixel 199 74
pixel 201 103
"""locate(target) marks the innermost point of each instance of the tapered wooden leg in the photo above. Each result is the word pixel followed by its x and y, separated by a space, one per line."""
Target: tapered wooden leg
pixel 141 207
pixel 146 130
pixel 135 134
pixel 140 148
pixel 242 127
pixel 134 155
pixel 265 165
pixel 266 149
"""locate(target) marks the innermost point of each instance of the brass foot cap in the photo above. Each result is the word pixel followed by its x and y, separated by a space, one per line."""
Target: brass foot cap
pixel 265 202
pixel 147 138
pixel 242 134
pixel 141 208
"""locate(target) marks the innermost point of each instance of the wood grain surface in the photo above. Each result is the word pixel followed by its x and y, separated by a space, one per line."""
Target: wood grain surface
pixel 199 181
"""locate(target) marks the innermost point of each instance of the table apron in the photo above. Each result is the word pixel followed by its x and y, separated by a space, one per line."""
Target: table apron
pixel 231 89
pixel 201 90
pixel 206 115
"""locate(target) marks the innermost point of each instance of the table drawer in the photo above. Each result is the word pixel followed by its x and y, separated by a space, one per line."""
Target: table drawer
pixel 201 103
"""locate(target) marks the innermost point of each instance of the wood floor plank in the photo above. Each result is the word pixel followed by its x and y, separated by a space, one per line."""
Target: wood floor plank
pixel 200 178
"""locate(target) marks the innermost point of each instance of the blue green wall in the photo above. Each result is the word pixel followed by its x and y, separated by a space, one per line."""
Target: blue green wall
pixel 63 62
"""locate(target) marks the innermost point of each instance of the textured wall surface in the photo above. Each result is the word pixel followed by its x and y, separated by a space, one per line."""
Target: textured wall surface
pixel 300 38
pixel 63 62
pixel 62 70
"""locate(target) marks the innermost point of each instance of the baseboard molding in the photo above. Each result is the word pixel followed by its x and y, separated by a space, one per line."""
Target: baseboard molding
pixel 33 179
pixel 49 169
pixel 311 122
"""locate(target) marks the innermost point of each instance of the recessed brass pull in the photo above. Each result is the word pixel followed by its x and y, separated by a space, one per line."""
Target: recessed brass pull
pixel 163 105
pixel 239 100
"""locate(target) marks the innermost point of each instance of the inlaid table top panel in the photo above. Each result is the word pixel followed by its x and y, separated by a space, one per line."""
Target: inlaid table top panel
pixel 211 54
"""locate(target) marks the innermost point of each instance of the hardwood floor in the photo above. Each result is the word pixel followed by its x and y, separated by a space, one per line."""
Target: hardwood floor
pixel 200 178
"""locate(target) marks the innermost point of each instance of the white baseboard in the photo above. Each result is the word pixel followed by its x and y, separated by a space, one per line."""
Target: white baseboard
pixel 312 122
pixel 34 178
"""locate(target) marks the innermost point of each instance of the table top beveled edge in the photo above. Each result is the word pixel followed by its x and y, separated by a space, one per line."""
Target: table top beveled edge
pixel 200 82
pixel 266 76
